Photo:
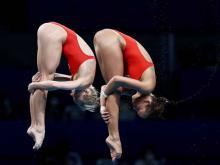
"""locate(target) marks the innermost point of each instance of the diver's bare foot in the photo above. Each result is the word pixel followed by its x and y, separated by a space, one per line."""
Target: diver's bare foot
pixel 115 148
pixel 37 135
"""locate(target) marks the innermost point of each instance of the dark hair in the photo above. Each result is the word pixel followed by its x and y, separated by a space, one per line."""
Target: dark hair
pixel 158 105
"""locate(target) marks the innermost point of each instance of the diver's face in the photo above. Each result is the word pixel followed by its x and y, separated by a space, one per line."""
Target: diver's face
pixel 79 96
pixel 143 105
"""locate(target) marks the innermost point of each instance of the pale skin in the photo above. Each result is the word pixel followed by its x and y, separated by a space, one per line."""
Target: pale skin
pixel 50 41
pixel 109 47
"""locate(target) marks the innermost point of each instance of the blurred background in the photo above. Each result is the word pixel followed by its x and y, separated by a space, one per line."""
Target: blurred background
pixel 183 40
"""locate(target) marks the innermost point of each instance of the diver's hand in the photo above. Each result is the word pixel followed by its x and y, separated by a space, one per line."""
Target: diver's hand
pixel 36 77
pixel 105 114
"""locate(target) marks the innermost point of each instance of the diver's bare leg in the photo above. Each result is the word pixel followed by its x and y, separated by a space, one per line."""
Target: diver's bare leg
pixel 50 39
pixel 110 58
